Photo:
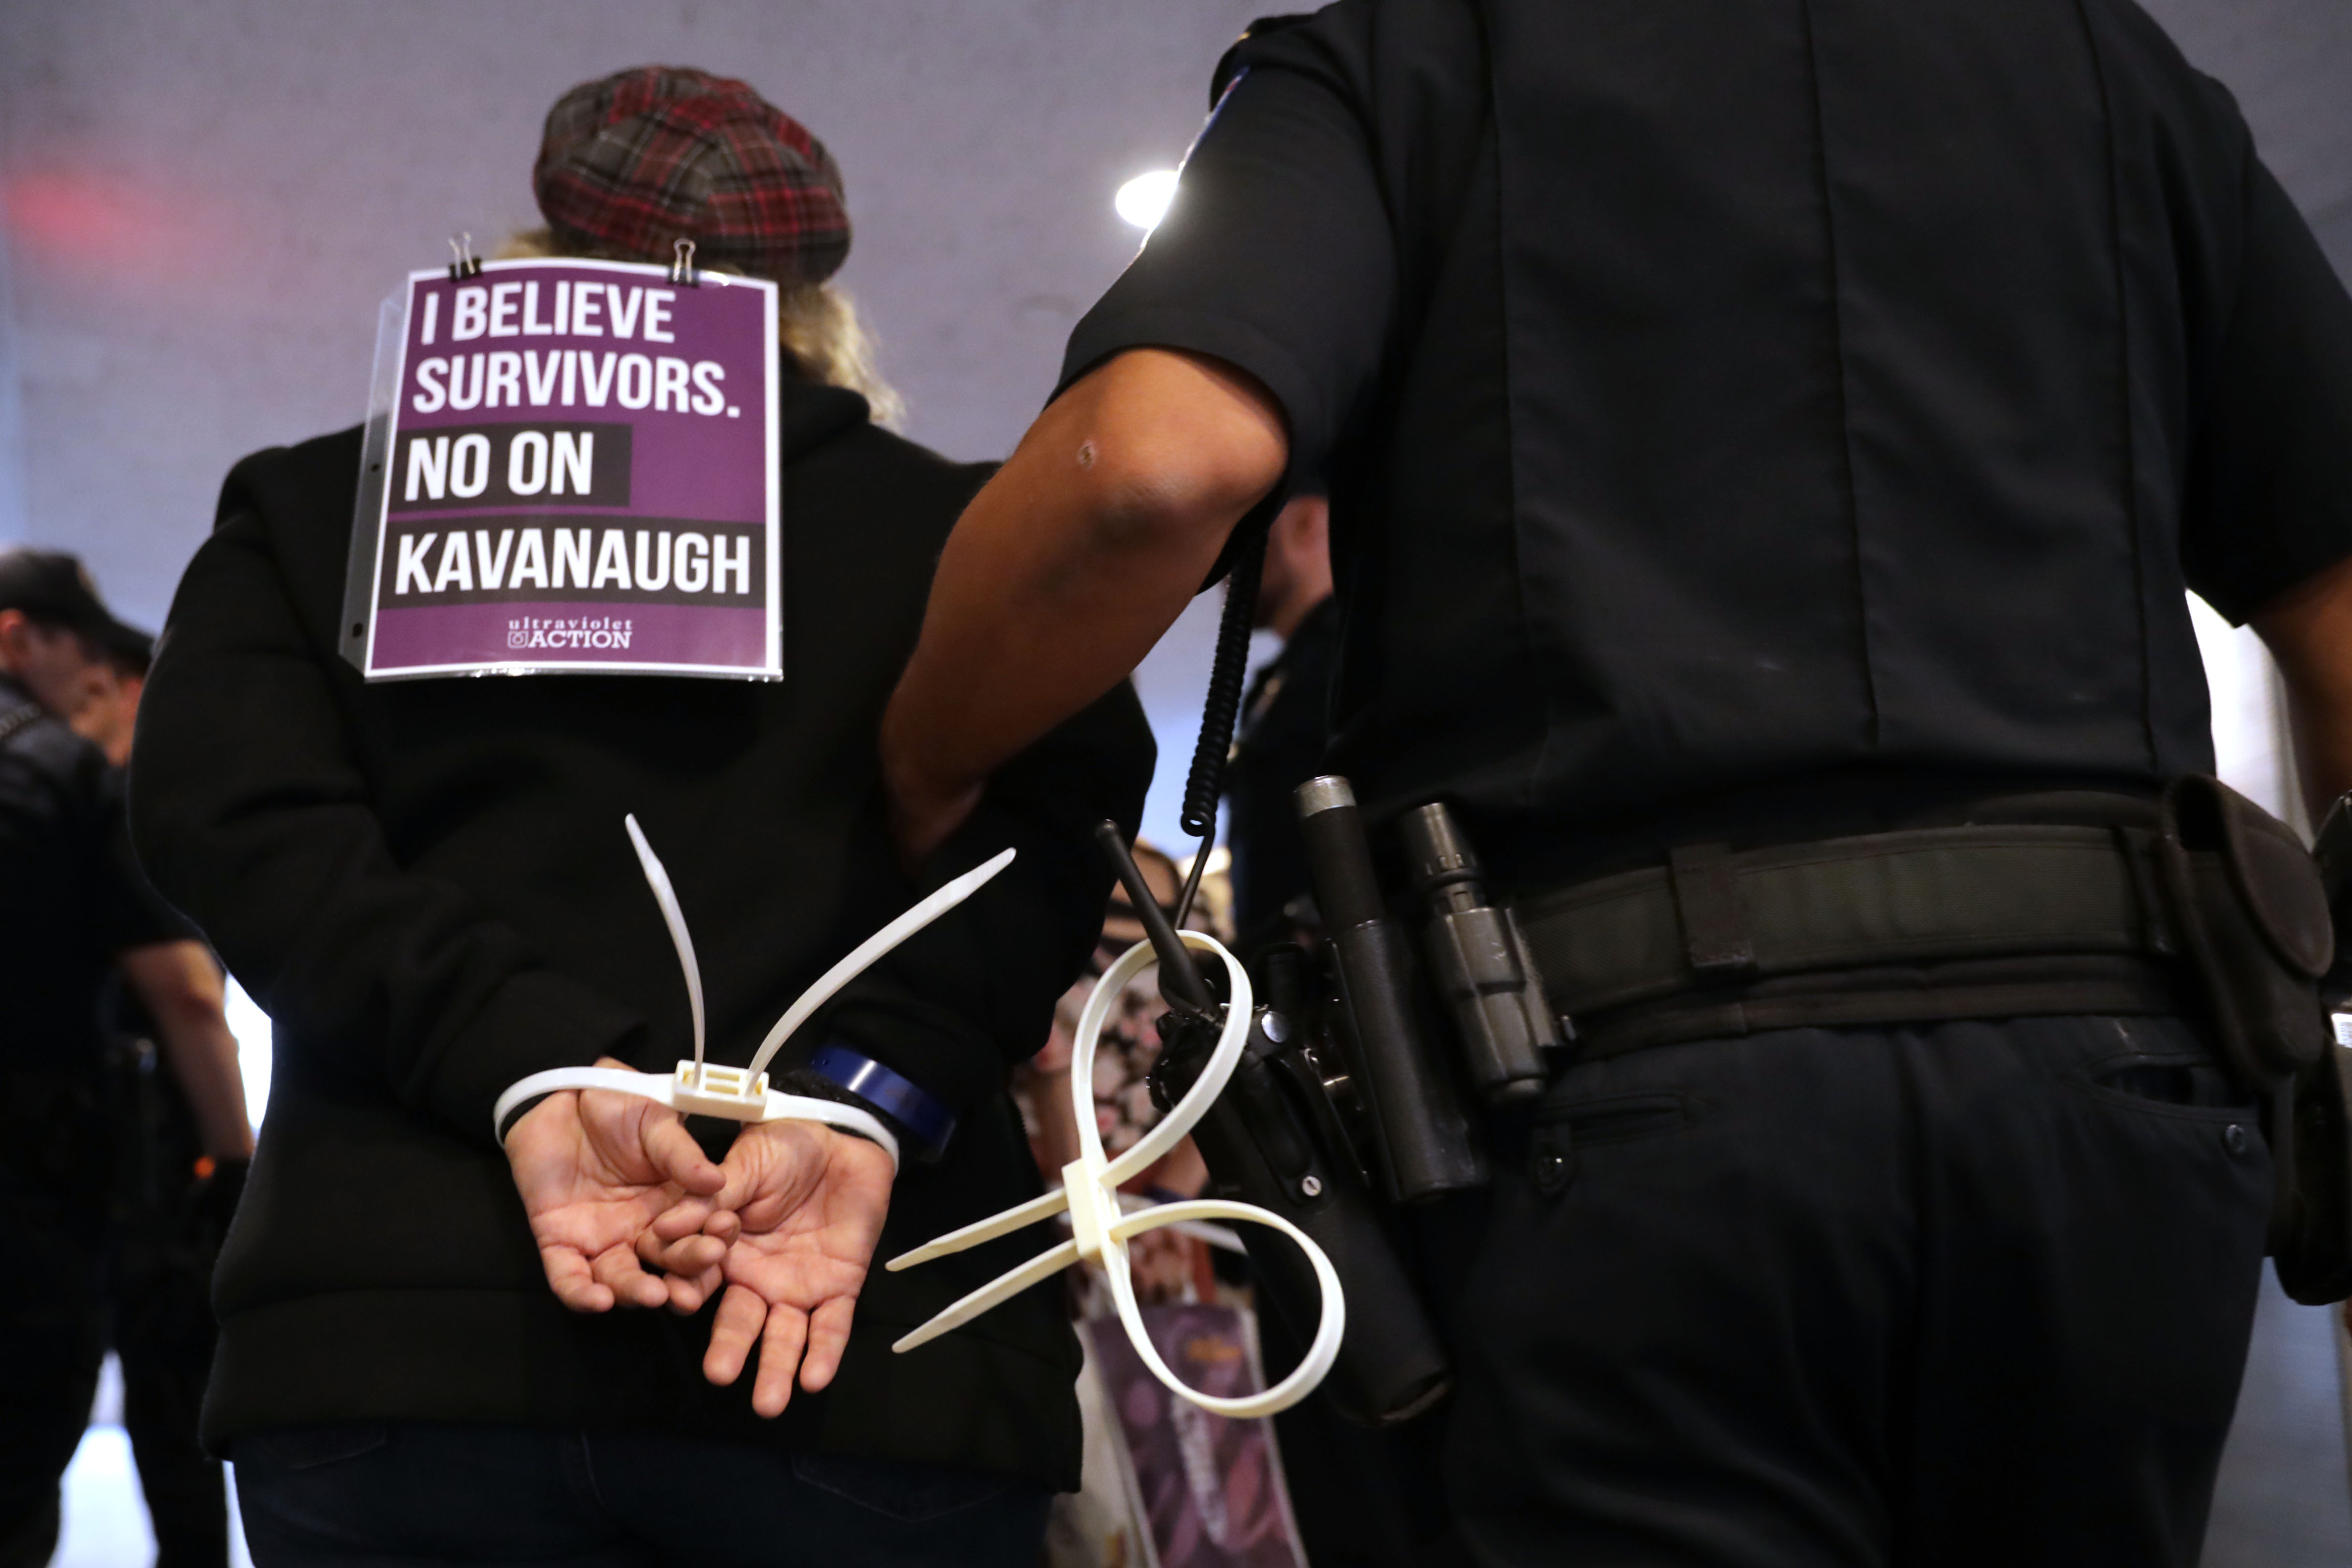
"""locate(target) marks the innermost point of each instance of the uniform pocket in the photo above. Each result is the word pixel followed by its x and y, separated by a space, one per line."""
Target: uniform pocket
pixel 1563 1127
pixel 2145 1067
pixel 1619 1118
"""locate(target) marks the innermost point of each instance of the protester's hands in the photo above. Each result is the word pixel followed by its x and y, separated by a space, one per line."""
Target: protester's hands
pixel 793 1233
pixel 595 1168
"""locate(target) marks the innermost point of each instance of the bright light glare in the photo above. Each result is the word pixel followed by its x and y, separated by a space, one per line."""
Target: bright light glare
pixel 251 1027
pixel 1143 201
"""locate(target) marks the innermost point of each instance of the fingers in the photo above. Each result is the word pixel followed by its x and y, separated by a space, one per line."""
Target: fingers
pixel 689 1217
pixel 779 1357
pixel 691 1267
pixel 828 1337
pixel 694 1254
pixel 771 1169
pixel 734 1328
pixel 676 1154
pixel 569 1277
pixel 688 1292
pixel 780 1331
pixel 617 1270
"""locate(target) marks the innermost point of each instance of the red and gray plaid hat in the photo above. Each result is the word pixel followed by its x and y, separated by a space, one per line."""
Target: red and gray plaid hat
pixel 659 153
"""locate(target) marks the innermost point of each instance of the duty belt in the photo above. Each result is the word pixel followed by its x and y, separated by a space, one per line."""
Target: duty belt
pixel 1991 921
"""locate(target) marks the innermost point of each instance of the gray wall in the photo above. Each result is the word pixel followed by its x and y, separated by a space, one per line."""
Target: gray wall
pixel 2290 63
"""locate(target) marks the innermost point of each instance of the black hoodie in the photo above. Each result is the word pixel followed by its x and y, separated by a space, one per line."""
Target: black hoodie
pixel 427 886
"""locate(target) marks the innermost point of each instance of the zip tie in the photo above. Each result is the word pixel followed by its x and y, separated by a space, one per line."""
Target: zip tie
pixel 721 1091
pixel 657 878
pixel 1098 1232
pixel 741 1093
pixel 937 903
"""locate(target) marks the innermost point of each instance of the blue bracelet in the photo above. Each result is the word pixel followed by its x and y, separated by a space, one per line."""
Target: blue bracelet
pixel 928 1124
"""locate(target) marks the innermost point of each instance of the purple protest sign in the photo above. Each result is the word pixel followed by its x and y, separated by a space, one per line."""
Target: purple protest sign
pixel 577 471
pixel 1207 1487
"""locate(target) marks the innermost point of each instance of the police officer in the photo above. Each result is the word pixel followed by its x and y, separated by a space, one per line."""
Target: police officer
pixel 1285 725
pixel 74 911
pixel 1753 429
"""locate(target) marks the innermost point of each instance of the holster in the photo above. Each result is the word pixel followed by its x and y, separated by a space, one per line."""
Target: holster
pixel 1392 1366
pixel 2248 911
pixel 2311 1224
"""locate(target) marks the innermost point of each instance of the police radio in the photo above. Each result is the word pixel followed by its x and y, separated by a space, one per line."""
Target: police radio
pixel 1340 1109
pixel 1261 1144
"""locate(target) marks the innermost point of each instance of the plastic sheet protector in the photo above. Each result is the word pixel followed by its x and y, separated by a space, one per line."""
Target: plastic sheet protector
pixel 571 466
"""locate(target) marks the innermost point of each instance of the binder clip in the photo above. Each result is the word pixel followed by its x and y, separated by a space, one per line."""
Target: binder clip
pixel 741 1093
pixel 681 267
pixel 466 263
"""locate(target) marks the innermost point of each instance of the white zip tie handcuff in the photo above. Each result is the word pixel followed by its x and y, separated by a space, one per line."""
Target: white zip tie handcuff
pixel 741 1093
pixel 1099 1234
pixel 1100 1231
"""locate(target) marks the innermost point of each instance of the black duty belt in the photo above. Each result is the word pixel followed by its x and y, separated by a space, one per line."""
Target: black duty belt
pixel 2014 919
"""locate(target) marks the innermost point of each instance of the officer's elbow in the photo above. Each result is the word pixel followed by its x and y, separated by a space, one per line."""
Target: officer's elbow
pixel 1170 450
pixel 1158 503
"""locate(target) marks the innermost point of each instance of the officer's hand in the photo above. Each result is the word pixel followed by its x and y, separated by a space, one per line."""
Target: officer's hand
pixel 798 1218
pixel 595 1169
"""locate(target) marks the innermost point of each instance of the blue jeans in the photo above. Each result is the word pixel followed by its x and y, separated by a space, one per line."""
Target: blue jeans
pixel 384 1493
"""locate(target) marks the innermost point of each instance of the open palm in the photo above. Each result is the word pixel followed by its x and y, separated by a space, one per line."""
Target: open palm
pixel 595 1168
pixel 810 1202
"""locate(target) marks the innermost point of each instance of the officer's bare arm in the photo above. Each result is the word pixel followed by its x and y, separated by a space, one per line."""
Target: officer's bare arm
pixel 182 989
pixel 1069 565
pixel 2308 629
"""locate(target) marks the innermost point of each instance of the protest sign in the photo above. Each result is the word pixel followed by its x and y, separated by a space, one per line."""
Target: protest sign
pixel 571 467
pixel 1207 1491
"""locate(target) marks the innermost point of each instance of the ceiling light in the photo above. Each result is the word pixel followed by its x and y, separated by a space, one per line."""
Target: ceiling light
pixel 1143 201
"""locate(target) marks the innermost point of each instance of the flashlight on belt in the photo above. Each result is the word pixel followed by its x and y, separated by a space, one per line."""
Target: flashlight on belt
pixel 1478 963
pixel 1419 1133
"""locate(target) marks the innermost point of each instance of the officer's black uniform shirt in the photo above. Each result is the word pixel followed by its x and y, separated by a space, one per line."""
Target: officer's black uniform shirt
pixel 1286 729
pixel 72 896
pixel 1775 414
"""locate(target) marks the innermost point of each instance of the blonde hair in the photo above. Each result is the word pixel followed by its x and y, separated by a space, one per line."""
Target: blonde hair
pixel 816 323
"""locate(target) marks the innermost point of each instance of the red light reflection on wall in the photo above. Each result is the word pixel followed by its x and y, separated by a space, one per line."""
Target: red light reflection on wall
pixel 141 237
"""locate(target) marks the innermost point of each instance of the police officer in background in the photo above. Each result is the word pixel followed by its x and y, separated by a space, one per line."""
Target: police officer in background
pixel 1751 427
pixel 75 912
pixel 1286 723
pixel 170 1204
pixel 1356 1496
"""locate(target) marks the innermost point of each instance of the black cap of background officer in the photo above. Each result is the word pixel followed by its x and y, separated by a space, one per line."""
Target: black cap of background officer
pixel 54 590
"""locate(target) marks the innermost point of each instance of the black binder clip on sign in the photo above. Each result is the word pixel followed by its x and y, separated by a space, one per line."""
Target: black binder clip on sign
pixel 464 264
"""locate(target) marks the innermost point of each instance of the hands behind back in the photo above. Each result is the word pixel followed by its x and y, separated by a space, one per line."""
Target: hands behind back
pixel 787 1225
pixel 793 1235
pixel 595 1168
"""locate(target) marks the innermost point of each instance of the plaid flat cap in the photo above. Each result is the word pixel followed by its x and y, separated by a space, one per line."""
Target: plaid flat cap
pixel 659 153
